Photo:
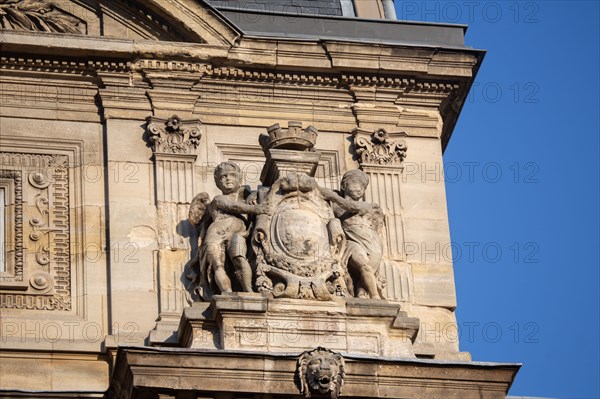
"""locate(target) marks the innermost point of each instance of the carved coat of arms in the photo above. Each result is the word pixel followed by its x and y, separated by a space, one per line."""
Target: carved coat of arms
pixel 299 244
pixel 292 238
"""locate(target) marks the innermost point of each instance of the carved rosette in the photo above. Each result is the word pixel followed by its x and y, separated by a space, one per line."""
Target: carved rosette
pixel 173 135
pixel 320 371
pixel 379 148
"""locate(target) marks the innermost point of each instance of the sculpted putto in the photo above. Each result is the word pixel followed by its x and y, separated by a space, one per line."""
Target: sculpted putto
pixel 223 249
pixel 292 238
pixel 308 242
pixel 362 223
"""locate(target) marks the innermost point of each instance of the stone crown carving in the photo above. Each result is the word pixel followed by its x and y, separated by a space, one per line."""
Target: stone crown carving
pixel 321 371
pixel 379 147
pixel 38 15
pixel 293 138
pixel 173 135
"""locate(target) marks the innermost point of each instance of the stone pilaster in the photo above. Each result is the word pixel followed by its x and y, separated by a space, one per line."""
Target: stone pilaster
pixel 380 155
pixel 174 143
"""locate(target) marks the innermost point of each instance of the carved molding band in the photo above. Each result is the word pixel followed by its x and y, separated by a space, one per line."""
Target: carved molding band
pixel 14 247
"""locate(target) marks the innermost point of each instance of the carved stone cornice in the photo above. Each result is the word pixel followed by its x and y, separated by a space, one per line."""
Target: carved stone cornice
pixel 173 135
pixel 379 148
pixel 43 64
pixel 162 367
pixel 173 66
pixel 233 73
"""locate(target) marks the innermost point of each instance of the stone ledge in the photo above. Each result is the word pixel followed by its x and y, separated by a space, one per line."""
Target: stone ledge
pixel 208 372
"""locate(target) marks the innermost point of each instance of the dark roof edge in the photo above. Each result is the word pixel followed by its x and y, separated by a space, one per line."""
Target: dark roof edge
pixel 321 16
pixel 366 41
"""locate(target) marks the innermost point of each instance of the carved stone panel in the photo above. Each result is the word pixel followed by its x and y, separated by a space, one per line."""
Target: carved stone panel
pixel 38 272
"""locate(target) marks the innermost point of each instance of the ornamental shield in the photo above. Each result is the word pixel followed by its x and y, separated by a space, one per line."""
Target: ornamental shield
pixel 298 245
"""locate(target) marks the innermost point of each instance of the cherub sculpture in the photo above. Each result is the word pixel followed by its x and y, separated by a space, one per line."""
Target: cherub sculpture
pixel 362 223
pixel 224 230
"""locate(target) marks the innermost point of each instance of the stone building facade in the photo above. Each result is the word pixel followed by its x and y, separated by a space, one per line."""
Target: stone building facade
pixel 114 116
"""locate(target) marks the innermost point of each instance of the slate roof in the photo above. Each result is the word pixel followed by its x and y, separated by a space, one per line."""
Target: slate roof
pixel 309 7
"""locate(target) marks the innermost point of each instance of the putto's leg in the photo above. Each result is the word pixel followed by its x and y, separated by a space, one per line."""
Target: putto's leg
pixel 222 279
pixel 216 259
pixel 361 265
pixel 237 251
pixel 243 271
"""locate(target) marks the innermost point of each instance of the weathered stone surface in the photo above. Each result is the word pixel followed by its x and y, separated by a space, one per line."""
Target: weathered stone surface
pixel 54 371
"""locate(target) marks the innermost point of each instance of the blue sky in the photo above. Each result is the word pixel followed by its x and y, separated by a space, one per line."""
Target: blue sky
pixel 523 181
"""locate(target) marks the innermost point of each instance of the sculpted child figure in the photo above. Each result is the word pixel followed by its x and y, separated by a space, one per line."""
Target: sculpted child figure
pixel 361 222
pixel 226 232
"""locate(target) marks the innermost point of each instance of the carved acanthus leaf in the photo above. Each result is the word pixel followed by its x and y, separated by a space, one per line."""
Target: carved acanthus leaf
pixel 38 15
pixel 173 136
pixel 378 148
